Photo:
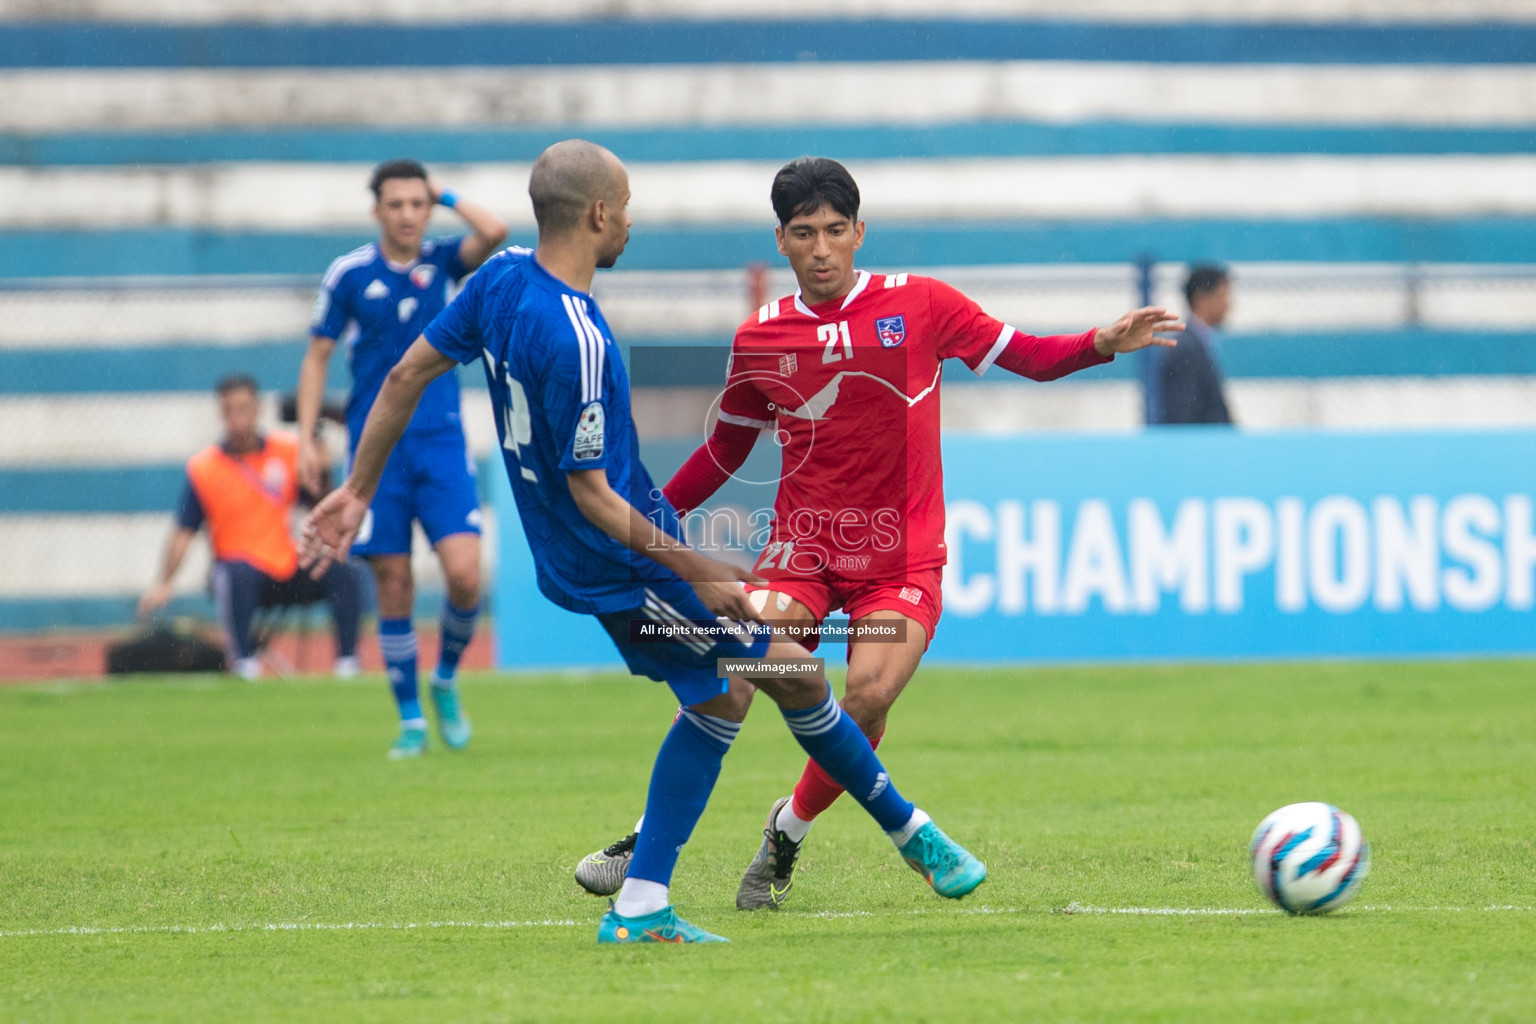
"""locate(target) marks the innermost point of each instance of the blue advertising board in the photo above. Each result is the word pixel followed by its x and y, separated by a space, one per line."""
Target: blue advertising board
pixel 1192 543
pixel 1208 543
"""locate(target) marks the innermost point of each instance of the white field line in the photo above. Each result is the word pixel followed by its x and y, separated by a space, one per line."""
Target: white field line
pixel 1078 908
pixel 358 926
pixel 288 926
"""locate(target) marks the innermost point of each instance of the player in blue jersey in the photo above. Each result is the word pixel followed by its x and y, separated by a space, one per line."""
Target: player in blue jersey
pixel 606 541
pixel 375 300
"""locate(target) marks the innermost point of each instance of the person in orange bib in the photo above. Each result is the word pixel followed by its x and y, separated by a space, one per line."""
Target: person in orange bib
pixel 244 489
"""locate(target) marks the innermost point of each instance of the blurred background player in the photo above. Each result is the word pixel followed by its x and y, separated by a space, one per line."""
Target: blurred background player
pixel 244 489
pixel 859 515
pixel 607 543
pixel 376 300
pixel 1193 387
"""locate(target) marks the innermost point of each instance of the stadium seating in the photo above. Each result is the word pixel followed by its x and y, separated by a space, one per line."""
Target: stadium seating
pixel 175 176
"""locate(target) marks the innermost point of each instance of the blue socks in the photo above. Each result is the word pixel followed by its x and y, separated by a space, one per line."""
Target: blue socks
pixel 689 763
pixel 835 743
pixel 686 769
pixel 458 629
pixel 397 642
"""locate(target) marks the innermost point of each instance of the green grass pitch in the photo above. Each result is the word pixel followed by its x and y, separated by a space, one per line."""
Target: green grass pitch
pixel 225 810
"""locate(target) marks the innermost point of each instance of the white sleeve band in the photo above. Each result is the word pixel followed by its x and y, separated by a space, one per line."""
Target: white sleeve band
pixel 1001 343
pixel 744 421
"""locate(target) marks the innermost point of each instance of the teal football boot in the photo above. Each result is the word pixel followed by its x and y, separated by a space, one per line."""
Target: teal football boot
pixel 662 926
pixel 412 742
pixel 452 722
pixel 946 865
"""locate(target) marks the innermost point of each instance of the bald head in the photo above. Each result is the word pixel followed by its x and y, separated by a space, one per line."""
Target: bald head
pixel 567 179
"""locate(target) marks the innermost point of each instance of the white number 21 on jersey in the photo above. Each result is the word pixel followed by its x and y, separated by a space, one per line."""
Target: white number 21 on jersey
pixel 832 334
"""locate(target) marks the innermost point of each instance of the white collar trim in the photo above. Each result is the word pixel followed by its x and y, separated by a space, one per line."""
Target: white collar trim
pixel 858 287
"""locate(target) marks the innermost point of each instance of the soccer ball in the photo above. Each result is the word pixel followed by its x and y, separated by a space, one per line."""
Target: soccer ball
pixel 1309 858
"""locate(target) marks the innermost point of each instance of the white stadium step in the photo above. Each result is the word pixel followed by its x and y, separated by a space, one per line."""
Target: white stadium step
pixel 64 555
pixel 527 10
pixel 309 197
pixel 56 101
pixel 1379 403
pixel 44 431
pixel 685 305
pixel 153 314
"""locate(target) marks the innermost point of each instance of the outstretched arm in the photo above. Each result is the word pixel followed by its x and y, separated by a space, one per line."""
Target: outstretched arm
pixel 1043 358
pixel 1054 356
pixel 331 526
pixel 966 331
pixel 488 230
pixel 718 584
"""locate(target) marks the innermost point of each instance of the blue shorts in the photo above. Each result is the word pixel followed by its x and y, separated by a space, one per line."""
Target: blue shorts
pixel 429 478
pixel 687 664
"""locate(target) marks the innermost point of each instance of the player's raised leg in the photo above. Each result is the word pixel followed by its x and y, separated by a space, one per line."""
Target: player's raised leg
pixel 879 669
pixel 835 742
pixel 831 738
pixel 877 674
pixel 602 872
pixel 689 764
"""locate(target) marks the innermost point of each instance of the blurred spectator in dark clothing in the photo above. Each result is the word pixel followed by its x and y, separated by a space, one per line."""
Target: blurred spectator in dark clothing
pixel 1192 385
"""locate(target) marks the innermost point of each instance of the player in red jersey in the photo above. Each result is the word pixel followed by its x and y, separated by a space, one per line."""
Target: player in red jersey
pixel 846 373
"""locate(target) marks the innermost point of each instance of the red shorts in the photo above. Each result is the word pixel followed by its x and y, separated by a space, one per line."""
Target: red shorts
pixel 917 596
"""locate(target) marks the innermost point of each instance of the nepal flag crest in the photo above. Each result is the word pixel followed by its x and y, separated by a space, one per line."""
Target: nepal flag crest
pixel 892 330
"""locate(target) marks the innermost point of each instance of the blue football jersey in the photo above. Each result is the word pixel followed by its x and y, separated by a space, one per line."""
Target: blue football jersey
pixel 376 309
pixel 561 399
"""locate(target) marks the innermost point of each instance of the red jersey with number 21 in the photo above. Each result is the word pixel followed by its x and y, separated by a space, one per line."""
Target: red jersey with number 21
pixel 851 388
